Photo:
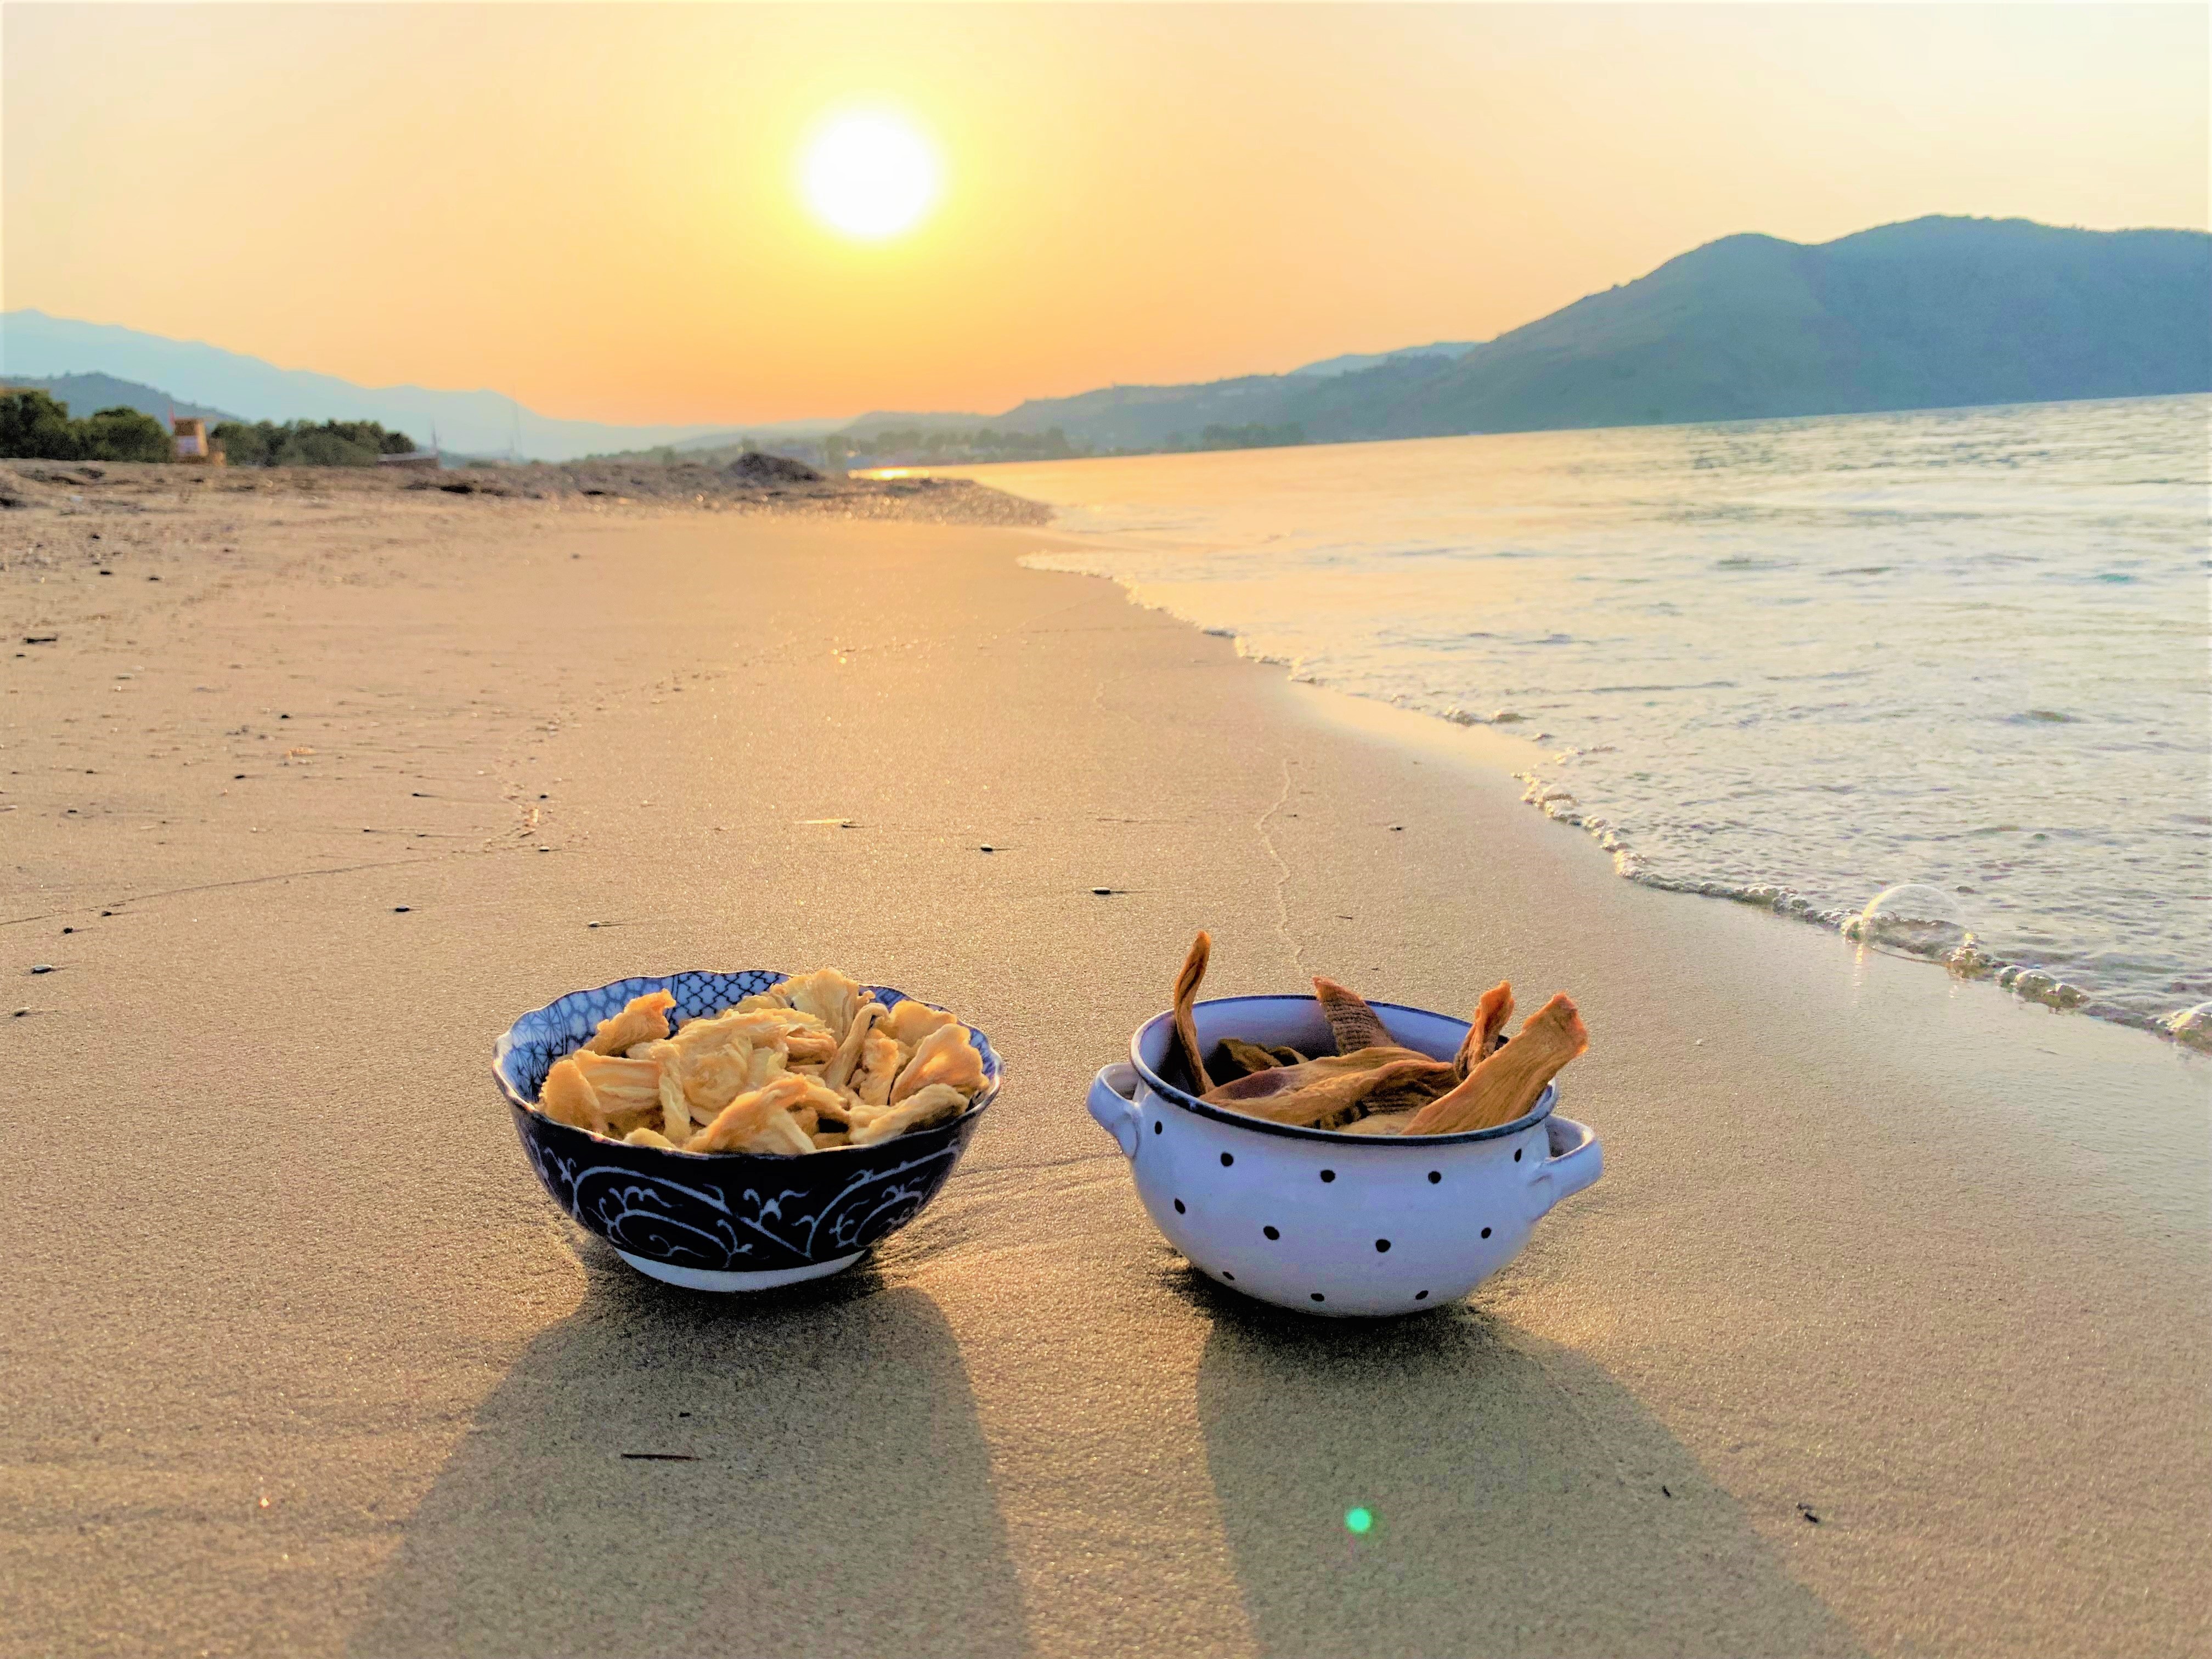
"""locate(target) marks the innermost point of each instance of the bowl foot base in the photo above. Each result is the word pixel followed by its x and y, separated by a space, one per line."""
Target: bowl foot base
pixel 700 1279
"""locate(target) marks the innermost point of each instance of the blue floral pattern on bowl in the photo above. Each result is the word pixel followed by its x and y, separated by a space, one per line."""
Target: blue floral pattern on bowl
pixel 721 1220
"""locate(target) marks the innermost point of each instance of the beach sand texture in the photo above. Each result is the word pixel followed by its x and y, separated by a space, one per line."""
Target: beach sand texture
pixel 1884 1333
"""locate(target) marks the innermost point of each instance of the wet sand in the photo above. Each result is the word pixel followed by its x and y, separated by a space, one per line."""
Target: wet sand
pixel 1885 1332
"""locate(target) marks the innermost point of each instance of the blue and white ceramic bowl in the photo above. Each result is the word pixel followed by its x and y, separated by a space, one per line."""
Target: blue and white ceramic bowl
pixel 720 1221
pixel 1324 1223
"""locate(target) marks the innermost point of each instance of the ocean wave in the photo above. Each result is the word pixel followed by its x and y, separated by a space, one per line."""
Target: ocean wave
pixel 1974 705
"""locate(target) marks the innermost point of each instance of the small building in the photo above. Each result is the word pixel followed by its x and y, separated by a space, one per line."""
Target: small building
pixel 192 442
pixel 427 460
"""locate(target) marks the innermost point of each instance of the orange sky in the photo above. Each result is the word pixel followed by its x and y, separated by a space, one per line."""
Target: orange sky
pixel 593 206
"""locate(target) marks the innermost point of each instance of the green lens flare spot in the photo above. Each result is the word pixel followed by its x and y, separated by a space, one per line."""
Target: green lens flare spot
pixel 1358 1522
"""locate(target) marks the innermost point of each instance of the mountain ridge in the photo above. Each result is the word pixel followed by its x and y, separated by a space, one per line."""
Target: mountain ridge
pixel 1750 326
pixel 86 394
pixel 1937 312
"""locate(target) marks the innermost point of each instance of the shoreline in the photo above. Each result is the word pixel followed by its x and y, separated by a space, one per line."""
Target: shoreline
pixel 1961 955
pixel 304 1363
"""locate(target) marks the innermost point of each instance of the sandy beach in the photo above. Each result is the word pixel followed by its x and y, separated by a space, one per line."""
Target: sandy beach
pixel 1886 1332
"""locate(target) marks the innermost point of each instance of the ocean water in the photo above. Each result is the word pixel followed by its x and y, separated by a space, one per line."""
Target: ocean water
pixel 1958 658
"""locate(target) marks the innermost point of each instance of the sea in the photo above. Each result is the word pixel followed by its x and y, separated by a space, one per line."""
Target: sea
pixel 1937 681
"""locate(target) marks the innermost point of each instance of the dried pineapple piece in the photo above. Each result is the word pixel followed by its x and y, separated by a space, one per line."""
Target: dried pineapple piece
pixel 621 1086
pixel 675 1108
pixel 944 1056
pixel 765 1067
pixel 927 1105
pixel 839 1072
pixel 713 1079
pixel 878 1068
pixel 911 1021
pixel 816 1063
pixel 567 1099
pixel 744 1117
pixel 827 994
pixel 643 1019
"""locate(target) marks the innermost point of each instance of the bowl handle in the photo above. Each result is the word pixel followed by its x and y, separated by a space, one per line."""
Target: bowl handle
pixel 1575 1163
pixel 1111 1104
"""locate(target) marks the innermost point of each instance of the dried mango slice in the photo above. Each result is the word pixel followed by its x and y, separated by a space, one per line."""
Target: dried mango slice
pixel 1351 1021
pixel 1484 1032
pixel 1188 977
pixel 1506 1084
pixel 1328 1093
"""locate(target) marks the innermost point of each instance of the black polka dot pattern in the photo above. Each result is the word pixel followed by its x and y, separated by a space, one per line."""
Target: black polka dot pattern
pixel 1434 1176
pixel 1382 1246
pixel 1328 1174
pixel 1486 1232
pixel 1179 1209
pixel 1228 1159
pixel 1157 1126
pixel 1318 1296
pixel 1517 1154
pixel 1420 1295
pixel 1271 1232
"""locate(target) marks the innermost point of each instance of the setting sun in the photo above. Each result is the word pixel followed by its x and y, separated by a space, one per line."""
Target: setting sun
pixel 870 174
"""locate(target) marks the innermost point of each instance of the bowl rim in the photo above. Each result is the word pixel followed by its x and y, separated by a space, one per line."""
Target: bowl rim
pixel 1190 1103
pixel 504 1045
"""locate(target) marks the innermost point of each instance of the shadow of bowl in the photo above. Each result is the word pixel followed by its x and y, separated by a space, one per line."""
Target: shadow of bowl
pixel 800 1472
pixel 1452 1485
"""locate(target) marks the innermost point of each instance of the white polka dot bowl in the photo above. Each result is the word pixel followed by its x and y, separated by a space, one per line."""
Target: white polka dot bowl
pixel 1329 1224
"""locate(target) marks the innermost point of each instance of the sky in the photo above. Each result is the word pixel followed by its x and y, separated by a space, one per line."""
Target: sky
pixel 599 208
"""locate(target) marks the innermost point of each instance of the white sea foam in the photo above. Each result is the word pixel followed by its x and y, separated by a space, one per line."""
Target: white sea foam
pixel 1794 664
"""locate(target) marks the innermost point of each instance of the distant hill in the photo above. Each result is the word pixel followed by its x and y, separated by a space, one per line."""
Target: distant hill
pixel 1934 314
pixel 1351 362
pixel 85 394
pixel 480 423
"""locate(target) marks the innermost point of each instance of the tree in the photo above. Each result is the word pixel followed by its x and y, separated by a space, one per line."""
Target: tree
pixel 305 443
pixel 34 426
pixel 124 434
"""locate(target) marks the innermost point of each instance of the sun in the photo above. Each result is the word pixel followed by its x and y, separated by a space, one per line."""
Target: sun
pixel 870 173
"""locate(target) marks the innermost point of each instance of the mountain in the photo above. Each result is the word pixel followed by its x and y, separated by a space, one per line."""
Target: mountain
pixel 479 422
pixel 1932 314
pixel 1353 362
pixel 1936 313
pixel 83 394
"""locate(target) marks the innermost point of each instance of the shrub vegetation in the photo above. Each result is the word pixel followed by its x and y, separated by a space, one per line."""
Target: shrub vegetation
pixel 34 426
pixel 308 443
